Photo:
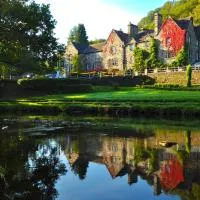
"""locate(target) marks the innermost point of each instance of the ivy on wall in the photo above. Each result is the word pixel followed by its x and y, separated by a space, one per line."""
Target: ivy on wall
pixel 172 36
pixel 140 57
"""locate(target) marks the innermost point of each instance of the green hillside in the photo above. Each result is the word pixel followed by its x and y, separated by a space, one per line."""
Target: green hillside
pixel 176 9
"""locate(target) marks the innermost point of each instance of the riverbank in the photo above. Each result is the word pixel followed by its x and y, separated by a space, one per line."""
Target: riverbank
pixel 121 101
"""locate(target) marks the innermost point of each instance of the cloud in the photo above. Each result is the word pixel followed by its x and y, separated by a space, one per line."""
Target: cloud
pixel 98 17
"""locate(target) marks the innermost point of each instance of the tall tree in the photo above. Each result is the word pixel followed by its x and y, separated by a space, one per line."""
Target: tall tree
pixel 78 34
pixel 26 31
pixel 153 61
pixel 177 9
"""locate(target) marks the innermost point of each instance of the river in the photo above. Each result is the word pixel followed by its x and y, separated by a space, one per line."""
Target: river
pixel 86 158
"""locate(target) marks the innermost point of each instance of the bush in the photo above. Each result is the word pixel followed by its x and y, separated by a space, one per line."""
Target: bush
pixel 189 75
pixel 55 85
pixel 104 81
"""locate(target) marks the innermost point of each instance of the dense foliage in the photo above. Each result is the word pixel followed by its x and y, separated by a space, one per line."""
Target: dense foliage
pixel 77 65
pixel 175 9
pixel 153 60
pixel 78 34
pixel 181 58
pixel 140 56
pixel 96 41
pixel 27 40
pixel 55 85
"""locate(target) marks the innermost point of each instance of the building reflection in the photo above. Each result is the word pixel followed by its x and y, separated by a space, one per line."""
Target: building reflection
pixel 166 169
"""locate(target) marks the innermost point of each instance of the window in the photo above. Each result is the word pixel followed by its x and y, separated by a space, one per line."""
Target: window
pixel 131 47
pixel 88 66
pixel 131 60
pixel 114 147
pixel 190 54
pixel 168 41
pixel 189 39
pixel 113 50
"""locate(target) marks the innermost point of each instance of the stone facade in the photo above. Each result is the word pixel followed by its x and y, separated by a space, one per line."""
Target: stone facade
pixel 116 54
pixel 174 35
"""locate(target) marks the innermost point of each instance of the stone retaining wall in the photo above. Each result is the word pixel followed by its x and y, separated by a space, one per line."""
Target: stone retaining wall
pixel 175 77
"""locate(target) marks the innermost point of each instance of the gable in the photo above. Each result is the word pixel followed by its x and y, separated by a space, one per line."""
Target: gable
pixel 171 36
pixel 71 50
pixel 113 40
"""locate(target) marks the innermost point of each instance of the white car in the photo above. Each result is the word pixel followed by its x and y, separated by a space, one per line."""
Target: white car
pixel 196 64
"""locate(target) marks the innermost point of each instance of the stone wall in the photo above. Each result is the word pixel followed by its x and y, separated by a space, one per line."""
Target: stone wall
pixel 114 53
pixel 93 61
pixel 175 77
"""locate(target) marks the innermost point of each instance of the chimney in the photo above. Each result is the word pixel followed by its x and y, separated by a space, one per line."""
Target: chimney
pixel 132 29
pixel 157 23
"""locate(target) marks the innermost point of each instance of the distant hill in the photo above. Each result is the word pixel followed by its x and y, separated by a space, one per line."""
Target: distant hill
pixel 175 9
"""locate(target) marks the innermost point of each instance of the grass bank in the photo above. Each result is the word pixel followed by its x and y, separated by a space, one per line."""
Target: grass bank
pixel 121 101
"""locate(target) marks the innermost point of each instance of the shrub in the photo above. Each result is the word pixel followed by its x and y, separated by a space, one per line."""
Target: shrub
pixel 55 85
pixel 189 75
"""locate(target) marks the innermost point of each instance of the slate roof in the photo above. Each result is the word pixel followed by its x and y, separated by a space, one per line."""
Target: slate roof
pixel 123 36
pixel 141 37
pixel 80 47
pixel 94 48
pixel 184 23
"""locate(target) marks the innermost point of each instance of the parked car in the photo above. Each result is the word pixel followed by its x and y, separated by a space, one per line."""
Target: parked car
pixel 197 64
pixel 28 75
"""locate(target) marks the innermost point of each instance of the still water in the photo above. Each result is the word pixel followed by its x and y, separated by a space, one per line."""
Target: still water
pixel 101 159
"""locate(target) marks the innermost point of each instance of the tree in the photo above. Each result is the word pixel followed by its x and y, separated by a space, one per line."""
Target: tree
pixel 181 58
pixel 189 75
pixel 96 41
pixel 78 34
pixel 26 30
pixel 177 9
pixel 73 34
pixel 140 56
pixel 153 60
pixel 77 65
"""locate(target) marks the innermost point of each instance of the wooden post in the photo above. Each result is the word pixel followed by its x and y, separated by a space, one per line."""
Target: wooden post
pixel 146 72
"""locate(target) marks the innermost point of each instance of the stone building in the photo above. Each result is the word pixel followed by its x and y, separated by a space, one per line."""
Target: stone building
pixel 173 35
pixel 116 54
pixel 91 56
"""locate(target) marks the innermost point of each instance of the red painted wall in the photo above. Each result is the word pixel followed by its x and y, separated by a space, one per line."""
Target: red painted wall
pixel 172 36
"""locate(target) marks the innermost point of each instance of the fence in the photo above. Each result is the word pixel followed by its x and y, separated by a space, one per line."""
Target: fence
pixel 125 74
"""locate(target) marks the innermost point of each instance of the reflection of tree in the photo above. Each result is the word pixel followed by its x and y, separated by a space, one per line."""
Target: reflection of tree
pixel 188 141
pixel 31 169
pixel 80 167
pixel 140 154
pixel 153 160
pixel 183 155
pixel 46 170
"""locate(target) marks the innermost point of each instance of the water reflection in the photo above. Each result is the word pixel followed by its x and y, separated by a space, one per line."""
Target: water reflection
pixel 33 167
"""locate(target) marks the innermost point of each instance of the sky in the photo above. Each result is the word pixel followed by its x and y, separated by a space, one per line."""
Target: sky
pixel 98 16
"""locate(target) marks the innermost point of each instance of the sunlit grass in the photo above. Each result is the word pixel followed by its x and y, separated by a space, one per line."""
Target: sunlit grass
pixel 120 95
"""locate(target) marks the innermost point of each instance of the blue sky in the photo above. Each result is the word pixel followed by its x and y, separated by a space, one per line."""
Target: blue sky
pixel 140 6
pixel 98 16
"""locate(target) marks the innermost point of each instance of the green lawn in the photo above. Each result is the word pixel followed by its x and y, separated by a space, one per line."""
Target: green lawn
pixel 140 101
pixel 126 94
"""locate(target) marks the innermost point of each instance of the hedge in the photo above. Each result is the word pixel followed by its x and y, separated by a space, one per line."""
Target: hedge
pixel 110 81
pixel 54 85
